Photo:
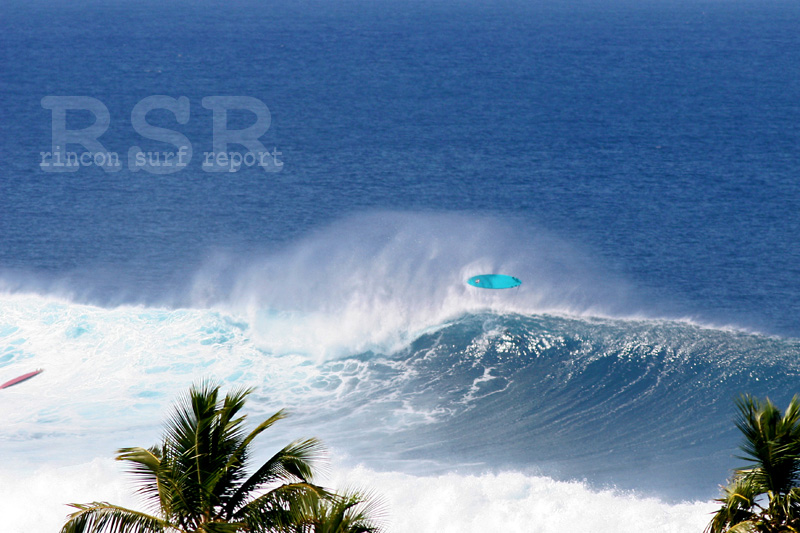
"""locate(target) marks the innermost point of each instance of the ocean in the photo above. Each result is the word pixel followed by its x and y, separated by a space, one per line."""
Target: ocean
pixel 635 164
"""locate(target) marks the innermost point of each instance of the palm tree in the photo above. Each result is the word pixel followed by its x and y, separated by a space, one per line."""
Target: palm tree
pixel 764 496
pixel 196 479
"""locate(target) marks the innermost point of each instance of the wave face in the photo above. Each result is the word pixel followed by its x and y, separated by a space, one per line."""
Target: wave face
pixel 638 404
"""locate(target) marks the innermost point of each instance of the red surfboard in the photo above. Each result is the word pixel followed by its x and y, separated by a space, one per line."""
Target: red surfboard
pixel 21 378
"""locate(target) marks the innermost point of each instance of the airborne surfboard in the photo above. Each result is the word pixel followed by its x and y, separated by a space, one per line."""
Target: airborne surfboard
pixel 494 281
pixel 20 379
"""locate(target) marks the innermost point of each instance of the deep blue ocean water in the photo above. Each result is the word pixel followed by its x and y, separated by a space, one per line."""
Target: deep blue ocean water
pixel 636 164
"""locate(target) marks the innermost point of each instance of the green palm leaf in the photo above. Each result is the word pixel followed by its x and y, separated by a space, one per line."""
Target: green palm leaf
pixel 350 512
pixel 293 463
pixel 149 471
pixel 772 441
pixel 283 509
pixel 102 516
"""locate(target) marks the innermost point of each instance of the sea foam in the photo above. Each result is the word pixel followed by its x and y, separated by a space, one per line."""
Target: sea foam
pixel 449 503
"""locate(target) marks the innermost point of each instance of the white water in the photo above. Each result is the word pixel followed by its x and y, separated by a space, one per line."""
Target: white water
pixel 509 502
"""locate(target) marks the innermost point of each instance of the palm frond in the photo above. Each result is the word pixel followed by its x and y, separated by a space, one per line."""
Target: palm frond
pixel 350 512
pixel 147 468
pixel 294 463
pixel 238 455
pixel 281 509
pixel 233 469
pixel 748 526
pixel 222 527
pixel 771 441
pixel 194 449
pixel 738 501
pixel 104 517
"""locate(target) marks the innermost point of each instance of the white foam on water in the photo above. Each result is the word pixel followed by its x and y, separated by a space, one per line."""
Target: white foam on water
pixel 515 502
pixel 35 501
pixel 512 502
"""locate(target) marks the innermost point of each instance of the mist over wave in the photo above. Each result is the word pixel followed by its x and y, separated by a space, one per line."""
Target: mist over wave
pixel 413 257
pixel 377 256
pixel 376 281
pixel 373 278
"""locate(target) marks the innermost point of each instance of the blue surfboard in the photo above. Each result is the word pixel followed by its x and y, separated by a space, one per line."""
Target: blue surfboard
pixel 494 281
